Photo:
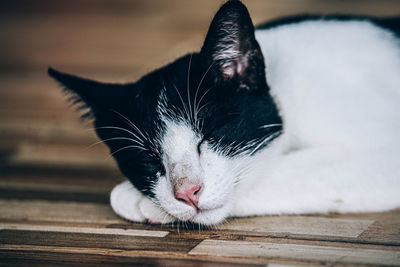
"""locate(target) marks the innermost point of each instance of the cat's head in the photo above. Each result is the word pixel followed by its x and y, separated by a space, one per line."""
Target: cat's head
pixel 184 134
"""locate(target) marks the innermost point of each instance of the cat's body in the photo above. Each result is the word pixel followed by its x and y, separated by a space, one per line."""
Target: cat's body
pixel 337 86
pixel 213 135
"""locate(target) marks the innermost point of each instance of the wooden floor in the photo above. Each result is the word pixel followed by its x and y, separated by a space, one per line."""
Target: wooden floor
pixel 54 188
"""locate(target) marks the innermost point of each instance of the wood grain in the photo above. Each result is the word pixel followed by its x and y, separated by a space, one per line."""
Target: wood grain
pixel 37 210
pixel 300 252
pixel 84 230
pixel 301 225
pixel 103 257
pixel 111 241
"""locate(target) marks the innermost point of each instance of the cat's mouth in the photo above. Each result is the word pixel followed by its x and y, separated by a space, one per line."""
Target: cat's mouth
pixel 204 216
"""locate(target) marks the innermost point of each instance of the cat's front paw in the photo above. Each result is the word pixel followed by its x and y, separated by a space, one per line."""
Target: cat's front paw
pixel 132 205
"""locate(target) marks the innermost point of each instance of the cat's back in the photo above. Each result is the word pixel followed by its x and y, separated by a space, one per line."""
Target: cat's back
pixel 335 81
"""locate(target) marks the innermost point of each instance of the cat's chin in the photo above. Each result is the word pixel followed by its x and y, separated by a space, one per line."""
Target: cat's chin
pixel 210 216
pixel 205 216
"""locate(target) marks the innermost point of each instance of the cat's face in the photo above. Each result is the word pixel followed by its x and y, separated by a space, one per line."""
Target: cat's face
pixel 184 134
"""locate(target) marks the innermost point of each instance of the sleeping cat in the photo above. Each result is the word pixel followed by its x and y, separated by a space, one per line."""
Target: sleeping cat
pixel 301 115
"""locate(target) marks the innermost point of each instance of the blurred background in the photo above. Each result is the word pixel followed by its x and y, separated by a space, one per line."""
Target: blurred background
pixel 44 147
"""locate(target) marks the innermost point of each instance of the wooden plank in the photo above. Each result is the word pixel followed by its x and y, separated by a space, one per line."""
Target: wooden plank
pixel 34 186
pixel 301 225
pixel 222 248
pixel 64 155
pixel 63 172
pixel 25 129
pixel 93 240
pixel 84 182
pixel 84 230
pixel 242 261
pixel 386 228
pixel 43 194
pixel 301 240
pixel 60 256
pixel 96 51
pixel 50 211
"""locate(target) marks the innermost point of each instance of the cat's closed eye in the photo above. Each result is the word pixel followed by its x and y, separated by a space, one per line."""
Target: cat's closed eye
pixel 153 166
pixel 199 146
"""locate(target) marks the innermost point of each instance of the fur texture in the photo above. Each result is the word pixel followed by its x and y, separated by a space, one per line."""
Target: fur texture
pixel 298 116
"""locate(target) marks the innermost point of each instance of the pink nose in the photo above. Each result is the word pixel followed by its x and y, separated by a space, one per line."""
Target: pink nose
pixel 189 193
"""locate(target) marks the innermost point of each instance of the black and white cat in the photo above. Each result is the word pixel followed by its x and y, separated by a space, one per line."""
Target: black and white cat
pixel 301 115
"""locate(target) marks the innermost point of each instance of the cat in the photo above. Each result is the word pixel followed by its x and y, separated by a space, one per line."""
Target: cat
pixel 297 116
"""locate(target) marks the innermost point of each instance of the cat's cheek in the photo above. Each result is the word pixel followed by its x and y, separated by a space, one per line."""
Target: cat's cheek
pixel 153 213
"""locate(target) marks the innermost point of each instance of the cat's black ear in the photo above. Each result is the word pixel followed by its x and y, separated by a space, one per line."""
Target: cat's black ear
pixel 230 45
pixel 91 95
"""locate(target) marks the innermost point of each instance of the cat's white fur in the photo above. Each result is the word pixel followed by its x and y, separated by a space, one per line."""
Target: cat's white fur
pixel 337 86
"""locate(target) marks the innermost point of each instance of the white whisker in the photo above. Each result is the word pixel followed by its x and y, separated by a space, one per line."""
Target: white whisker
pixel 115 138
pixel 271 125
pixel 131 124
pixel 121 129
pixel 188 88
pixel 198 104
pixel 183 103
pixel 127 147
pixel 195 106
pixel 203 106
pixel 269 138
